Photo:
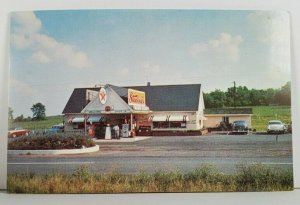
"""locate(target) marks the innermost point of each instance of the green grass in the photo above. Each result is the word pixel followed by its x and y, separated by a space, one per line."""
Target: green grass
pixel 204 179
pixel 262 114
pixel 42 124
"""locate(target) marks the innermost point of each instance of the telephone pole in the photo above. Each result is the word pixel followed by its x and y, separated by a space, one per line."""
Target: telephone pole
pixel 234 91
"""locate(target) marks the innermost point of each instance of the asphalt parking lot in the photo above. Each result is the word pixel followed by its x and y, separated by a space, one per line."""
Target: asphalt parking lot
pixel 184 153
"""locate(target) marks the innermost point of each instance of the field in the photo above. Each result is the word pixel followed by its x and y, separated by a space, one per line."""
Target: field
pixel 203 179
pixel 262 114
pixel 42 124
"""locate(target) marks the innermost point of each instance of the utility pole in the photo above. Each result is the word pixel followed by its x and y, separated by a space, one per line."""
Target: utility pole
pixel 234 91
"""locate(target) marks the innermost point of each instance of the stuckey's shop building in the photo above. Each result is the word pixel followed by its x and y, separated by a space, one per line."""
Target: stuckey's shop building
pixel 140 110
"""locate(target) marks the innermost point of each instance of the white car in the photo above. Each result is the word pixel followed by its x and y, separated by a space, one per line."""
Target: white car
pixel 276 126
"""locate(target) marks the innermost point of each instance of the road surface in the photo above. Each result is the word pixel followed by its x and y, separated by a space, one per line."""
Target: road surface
pixel 225 152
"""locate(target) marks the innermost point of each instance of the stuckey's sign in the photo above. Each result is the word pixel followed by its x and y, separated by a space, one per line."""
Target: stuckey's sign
pixel 136 97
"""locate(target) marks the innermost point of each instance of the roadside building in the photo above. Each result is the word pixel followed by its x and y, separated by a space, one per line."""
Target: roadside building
pixel 145 110
pixel 142 110
pixel 216 116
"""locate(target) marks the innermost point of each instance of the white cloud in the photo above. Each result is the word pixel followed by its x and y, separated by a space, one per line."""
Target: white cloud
pixel 41 57
pixel 62 52
pixel 225 48
pixel 25 29
pixel 26 33
pixel 21 87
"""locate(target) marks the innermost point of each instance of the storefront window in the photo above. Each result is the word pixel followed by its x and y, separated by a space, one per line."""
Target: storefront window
pixel 78 126
pixel 160 124
pixel 169 124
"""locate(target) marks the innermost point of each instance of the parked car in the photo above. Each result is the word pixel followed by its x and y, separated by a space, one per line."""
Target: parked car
pixel 55 129
pixel 239 125
pixel 276 126
pixel 17 132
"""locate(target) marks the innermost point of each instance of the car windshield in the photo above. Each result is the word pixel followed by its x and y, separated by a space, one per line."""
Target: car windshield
pixel 275 123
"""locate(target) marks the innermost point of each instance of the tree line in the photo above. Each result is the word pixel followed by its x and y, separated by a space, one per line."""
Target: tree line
pixel 242 96
pixel 38 113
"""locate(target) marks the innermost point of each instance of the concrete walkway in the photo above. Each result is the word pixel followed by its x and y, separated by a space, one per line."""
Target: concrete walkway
pixel 131 139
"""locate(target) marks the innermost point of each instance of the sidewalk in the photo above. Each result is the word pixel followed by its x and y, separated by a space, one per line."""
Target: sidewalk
pixel 131 139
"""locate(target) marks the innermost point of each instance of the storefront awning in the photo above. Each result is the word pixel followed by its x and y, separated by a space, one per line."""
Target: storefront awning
pixel 176 118
pixel 78 119
pixel 95 119
pixel 159 118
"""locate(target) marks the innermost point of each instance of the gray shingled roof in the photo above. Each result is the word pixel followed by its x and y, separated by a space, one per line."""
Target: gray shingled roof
pixel 77 100
pixel 158 97
pixel 171 97
pixel 228 111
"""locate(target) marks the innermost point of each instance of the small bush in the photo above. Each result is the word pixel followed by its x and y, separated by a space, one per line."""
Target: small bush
pixel 57 141
pixel 260 178
pixel 82 173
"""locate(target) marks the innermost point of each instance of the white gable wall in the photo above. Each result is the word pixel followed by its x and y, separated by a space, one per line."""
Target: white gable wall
pixel 117 104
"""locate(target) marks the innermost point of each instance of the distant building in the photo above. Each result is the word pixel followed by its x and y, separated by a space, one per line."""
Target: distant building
pixel 227 115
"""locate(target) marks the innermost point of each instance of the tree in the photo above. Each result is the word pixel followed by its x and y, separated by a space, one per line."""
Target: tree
pixel 214 99
pixel 19 118
pixel 39 111
pixel 10 113
pixel 283 96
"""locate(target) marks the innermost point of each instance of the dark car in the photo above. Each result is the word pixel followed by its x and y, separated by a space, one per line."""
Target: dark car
pixel 55 129
pixel 240 125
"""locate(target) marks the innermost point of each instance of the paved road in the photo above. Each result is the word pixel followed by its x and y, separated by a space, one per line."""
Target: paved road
pixel 168 153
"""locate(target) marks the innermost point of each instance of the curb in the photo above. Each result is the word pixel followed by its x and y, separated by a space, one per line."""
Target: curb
pixel 135 139
pixel 54 152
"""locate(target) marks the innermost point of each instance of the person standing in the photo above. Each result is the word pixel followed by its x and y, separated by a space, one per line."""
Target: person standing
pixel 116 131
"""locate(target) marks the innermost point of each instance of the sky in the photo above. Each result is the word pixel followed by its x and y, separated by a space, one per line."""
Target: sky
pixel 53 52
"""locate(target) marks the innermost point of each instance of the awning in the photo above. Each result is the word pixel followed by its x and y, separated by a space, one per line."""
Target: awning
pixel 96 119
pixel 161 118
pixel 176 118
pixel 78 119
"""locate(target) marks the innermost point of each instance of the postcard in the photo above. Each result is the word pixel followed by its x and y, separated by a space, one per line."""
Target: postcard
pixel 131 101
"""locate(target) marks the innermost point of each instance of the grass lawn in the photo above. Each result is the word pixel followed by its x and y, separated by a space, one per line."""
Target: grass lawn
pixel 262 114
pixel 43 124
pixel 203 179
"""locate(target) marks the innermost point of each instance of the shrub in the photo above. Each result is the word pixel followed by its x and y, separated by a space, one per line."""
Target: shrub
pixel 259 178
pixel 46 142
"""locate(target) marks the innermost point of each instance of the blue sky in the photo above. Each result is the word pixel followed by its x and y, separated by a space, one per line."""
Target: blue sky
pixel 52 52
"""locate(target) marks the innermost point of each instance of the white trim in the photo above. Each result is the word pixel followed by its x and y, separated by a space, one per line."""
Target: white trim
pixel 225 115
pixel 156 118
pixel 176 118
pixel 78 119
pixel 202 118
